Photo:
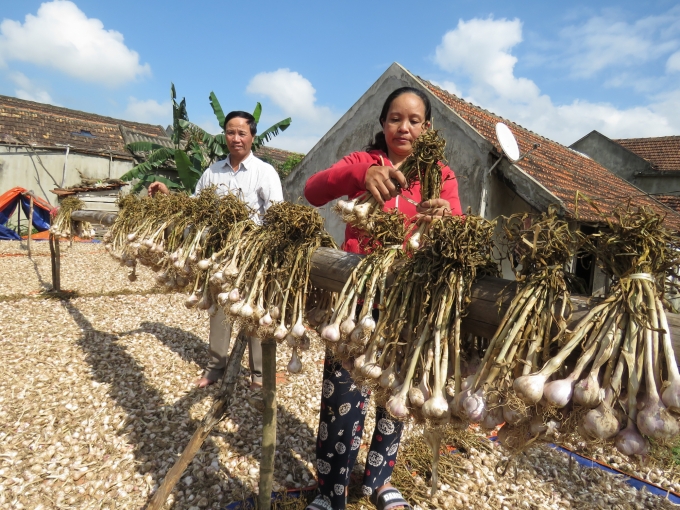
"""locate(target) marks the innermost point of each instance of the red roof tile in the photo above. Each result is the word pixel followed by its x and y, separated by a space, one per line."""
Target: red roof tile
pixel 46 125
pixel 662 152
pixel 672 201
pixel 559 169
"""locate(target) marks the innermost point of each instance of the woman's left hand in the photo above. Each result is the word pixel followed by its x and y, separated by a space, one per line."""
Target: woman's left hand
pixel 431 209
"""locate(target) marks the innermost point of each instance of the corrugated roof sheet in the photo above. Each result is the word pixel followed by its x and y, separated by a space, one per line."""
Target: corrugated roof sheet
pixel 46 125
pixel 662 152
pixel 559 169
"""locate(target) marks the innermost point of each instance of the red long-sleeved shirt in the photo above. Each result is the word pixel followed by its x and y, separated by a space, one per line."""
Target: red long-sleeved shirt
pixel 347 178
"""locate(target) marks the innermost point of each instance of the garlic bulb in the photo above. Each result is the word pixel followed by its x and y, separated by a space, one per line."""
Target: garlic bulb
pixel 204 264
pixel 294 365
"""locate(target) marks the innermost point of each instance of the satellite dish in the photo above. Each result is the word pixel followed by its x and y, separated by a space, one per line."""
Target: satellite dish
pixel 507 141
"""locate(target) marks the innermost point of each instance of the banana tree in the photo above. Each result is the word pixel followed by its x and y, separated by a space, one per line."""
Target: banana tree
pixel 194 148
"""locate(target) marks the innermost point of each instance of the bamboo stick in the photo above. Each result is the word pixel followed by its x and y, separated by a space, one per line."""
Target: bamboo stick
pixel 209 421
pixel 268 424
pixel 30 226
pixel 56 265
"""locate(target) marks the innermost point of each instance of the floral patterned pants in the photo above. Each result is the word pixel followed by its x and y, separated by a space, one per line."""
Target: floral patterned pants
pixel 341 423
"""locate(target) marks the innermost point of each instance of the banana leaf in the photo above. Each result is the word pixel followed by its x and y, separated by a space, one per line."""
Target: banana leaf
pixel 217 109
pixel 270 133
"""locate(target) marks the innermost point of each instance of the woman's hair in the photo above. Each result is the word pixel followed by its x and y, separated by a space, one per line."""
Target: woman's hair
pixel 379 142
pixel 242 115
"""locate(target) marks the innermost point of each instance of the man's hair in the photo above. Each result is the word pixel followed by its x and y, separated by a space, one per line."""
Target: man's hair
pixel 242 115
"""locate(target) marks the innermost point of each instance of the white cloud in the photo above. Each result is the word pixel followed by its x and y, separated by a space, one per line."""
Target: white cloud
pixel 62 37
pixel 479 52
pixel 449 86
pixel 480 48
pixel 149 111
pixel 673 63
pixel 605 42
pixel 296 97
pixel 291 92
pixel 29 91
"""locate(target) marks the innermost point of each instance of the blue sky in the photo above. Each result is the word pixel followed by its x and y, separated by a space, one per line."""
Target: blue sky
pixel 560 70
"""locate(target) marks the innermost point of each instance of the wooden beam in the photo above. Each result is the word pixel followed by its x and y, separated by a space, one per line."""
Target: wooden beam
pixel 101 217
pixel 331 268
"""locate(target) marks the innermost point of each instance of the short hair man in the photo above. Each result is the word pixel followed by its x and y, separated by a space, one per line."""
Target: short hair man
pixel 258 185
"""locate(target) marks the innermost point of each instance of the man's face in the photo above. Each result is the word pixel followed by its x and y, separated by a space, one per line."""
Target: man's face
pixel 239 139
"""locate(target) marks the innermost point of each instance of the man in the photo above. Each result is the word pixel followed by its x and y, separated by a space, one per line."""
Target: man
pixel 258 185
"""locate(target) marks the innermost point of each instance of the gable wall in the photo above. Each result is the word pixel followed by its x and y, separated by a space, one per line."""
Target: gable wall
pixel 611 155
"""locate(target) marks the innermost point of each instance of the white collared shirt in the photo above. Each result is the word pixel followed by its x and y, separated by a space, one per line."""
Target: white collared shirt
pixel 254 181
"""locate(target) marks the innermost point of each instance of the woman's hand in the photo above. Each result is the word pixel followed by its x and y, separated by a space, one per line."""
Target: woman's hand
pixel 158 187
pixel 431 209
pixel 379 182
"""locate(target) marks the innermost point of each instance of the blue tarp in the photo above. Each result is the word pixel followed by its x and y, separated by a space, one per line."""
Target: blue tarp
pixel 633 482
pixel 7 234
pixel 15 196
pixel 41 217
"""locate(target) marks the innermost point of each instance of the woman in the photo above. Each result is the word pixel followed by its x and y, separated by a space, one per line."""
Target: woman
pixel 405 114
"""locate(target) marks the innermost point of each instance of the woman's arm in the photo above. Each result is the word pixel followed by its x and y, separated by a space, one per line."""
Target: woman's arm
pixel 347 177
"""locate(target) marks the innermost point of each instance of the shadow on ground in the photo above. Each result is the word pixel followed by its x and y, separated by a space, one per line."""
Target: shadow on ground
pixel 170 426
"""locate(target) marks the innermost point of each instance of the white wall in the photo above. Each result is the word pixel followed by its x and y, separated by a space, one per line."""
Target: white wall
pixel 24 167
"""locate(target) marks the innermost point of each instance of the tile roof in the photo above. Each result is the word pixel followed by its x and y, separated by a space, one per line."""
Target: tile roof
pixel 672 201
pixel 559 169
pixel 46 126
pixel 279 156
pixel 662 152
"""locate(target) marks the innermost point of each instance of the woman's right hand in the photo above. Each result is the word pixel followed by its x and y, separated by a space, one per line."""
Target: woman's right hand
pixel 158 187
pixel 379 183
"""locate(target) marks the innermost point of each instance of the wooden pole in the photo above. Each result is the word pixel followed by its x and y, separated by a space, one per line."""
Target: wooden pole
pixel 56 264
pixel 268 424
pixel 209 421
pixel 19 217
pixel 30 225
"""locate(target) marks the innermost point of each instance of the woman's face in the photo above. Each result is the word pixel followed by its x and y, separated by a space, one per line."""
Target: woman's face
pixel 404 122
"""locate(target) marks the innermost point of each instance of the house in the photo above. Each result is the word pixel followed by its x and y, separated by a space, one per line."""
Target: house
pixel 651 164
pixel 44 147
pixel 552 174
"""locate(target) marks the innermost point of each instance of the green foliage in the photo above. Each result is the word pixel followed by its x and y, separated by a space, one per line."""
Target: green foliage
pixel 290 163
pixel 194 148
pixel 285 168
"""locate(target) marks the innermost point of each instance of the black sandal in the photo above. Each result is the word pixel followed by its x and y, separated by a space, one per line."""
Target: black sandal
pixel 321 502
pixel 388 499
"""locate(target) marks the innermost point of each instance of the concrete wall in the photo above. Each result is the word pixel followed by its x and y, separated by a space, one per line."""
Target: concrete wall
pixel 612 156
pixel 657 182
pixel 626 164
pixel 503 202
pixel 23 167
pixel 466 150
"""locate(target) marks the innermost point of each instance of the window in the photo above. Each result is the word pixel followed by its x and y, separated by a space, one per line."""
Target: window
pixel 83 132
